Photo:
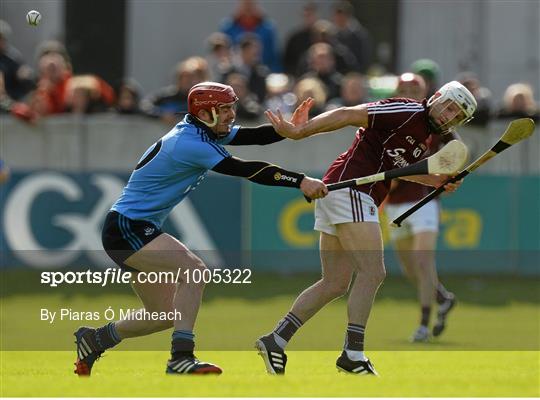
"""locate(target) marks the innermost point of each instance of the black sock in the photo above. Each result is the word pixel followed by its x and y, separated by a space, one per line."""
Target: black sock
pixel 107 337
pixel 426 312
pixel 183 344
pixel 288 326
pixel 354 338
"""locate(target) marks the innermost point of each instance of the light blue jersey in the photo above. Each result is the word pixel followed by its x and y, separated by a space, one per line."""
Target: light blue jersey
pixel 171 168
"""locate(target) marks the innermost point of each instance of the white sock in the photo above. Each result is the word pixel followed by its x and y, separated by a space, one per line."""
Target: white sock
pixel 356 355
pixel 280 341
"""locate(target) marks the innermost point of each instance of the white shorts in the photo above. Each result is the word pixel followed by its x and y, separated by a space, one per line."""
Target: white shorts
pixel 342 206
pixel 426 219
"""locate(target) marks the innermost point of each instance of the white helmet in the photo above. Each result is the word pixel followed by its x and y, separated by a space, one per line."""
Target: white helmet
pixel 460 95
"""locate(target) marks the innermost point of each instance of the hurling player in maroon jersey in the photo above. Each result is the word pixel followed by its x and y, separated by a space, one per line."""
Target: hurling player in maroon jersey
pixel 392 133
pixel 415 242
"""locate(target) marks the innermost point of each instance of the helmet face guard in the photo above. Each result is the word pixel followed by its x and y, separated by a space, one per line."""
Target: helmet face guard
pixel 209 96
pixel 458 94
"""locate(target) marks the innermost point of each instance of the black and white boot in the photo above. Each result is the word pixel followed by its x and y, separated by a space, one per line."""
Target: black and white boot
pixel 344 364
pixel 442 314
pixel 274 357
pixel 190 365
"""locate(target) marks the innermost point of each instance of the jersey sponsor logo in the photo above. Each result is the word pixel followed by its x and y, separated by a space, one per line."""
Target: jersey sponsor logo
pixel 397 158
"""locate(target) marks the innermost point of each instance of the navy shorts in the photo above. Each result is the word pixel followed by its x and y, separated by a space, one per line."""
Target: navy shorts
pixel 122 237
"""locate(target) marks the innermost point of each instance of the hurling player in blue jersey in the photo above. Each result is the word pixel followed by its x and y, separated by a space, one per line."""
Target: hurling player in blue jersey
pixel 171 168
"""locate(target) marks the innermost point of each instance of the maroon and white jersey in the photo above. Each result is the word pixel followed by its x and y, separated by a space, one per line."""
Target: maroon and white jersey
pixel 409 192
pixel 395 137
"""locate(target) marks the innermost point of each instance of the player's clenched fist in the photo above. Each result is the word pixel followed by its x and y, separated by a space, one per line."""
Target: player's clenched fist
pixel 313 188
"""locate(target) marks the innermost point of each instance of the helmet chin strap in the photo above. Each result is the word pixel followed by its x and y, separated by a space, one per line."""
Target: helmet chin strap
pixel 215 119
pixel 214 123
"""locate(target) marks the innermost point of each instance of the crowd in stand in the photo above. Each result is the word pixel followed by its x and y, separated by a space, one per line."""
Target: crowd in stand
pixel 329 60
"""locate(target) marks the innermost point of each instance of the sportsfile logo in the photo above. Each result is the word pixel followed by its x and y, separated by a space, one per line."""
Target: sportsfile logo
pixel 278 176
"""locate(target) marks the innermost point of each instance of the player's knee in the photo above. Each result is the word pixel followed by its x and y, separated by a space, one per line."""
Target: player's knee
pixel 336 289
pixel 377 275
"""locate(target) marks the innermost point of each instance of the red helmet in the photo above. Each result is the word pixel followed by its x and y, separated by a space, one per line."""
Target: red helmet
pixel 208 95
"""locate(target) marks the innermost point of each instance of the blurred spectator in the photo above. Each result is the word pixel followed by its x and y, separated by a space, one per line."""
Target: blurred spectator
pixel 248 63
pixel 430 71
pixel 311 87
pixel 322 65
pixel 411 86
pixel 300 39
pixel 382 87
pixel 87 94
pixel 325 32
pixel 279 94
pixel 4 172
pixel 129 96
pixel 352 34
pixel 248 108
pixel 170 103
pixel 482 96
pixel 353 92
pixel 17 76
pixel 54 69
pixel 519 102
pixel 220 57
pixel 250 18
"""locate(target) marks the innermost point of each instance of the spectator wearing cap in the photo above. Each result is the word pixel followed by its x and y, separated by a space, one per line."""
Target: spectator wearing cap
pixel 352 34
pixel 170 103
pixel 249 18
pixel 430 71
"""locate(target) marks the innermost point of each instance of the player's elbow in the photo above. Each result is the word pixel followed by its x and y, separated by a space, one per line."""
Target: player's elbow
pixel 354 116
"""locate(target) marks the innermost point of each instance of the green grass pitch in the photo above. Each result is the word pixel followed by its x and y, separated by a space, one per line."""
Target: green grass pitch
pixel 489 349
pixel 311 374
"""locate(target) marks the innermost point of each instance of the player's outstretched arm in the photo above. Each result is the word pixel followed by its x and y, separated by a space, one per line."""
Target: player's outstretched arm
pixel 261 135
pixel 325 122
pixel 268 174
